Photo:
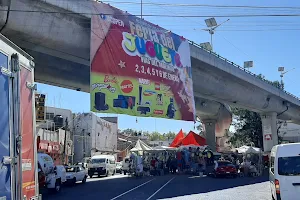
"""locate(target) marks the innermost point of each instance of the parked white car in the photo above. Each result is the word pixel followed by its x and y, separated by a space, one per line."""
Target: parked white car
pixel 119 167
pixel 76 173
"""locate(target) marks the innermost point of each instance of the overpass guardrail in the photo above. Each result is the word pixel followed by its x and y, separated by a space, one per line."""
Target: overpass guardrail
pixel 242 68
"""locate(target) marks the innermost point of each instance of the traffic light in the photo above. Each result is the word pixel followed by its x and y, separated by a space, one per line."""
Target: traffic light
pixel 40 107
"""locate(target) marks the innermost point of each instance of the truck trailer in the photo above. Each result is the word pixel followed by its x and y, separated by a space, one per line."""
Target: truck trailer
pixel 18 147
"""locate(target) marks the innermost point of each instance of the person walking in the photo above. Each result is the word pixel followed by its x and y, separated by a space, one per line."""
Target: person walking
pixel 179 160
pixel 168 164
pixel 173 165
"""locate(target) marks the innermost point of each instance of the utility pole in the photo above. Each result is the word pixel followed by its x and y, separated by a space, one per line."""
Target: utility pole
pixel 212 25
pixel 73 139
pixel 83 141
pixel 65 141
pixel 282 72
pixel 141 9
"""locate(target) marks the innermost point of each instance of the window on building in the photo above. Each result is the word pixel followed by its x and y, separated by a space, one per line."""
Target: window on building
pixel 49 116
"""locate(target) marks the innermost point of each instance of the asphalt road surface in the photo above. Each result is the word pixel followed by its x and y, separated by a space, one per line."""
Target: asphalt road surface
pixel 178 187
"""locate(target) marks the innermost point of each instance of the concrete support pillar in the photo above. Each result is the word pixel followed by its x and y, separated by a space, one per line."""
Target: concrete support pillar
pixel 210 128
pixel 269 128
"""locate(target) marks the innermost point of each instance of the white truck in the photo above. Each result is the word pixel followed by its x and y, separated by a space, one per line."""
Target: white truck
pixel 50 176
pixel 102 165
pixel 18 157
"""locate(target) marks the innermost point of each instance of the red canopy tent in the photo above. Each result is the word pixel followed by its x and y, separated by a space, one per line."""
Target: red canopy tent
pixel 179 137
pixel 193 139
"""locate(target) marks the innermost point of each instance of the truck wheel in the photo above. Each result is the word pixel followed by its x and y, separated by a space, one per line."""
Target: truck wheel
pixel 57 187
pixel 124 172
pixel 84 180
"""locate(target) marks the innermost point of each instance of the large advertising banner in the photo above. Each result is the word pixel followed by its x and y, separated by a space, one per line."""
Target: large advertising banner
pixel 138 68
pixel 28 139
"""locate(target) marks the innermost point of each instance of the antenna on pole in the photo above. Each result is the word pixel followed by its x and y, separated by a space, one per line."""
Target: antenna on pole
pixel 211 23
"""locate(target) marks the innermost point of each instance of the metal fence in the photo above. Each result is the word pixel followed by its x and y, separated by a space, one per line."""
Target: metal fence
pixel 242 68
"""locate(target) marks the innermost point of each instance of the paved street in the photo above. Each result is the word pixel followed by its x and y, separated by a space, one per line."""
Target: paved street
pixel 178 187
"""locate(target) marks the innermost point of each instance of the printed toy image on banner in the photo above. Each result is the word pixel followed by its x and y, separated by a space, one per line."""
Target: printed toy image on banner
pixel 138 68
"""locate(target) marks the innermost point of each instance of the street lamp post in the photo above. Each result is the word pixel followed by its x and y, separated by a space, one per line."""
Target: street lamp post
pixel 282 72
pixel 211 23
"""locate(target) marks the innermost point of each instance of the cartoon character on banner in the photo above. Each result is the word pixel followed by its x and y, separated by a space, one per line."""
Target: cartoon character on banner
pixel 159 99
pixel 130 103
pixel 171 109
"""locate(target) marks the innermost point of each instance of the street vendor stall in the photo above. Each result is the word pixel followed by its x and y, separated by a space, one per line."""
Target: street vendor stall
pixel 134 161
pixel 140 147
pixel 252 160
pixel 164 148
pixel 178 138
pixel 158 159
pixel 192 154
pixel 193 139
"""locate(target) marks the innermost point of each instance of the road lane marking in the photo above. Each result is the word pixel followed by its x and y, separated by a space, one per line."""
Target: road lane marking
pixel 160 188
pixel 132 189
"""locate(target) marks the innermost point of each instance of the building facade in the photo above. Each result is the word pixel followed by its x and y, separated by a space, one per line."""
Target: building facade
pixel 93 134
pixel 289 132
pixel 51 134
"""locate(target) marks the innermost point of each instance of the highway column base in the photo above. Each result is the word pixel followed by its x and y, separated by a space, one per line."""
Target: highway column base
pixel 269 129
pixel 210 128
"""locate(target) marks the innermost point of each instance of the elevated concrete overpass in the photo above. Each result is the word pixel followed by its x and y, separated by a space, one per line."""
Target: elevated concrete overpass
pixel 57 34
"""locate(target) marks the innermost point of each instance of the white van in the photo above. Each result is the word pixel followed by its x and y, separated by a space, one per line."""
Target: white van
pixel 102 165
pixel 284 171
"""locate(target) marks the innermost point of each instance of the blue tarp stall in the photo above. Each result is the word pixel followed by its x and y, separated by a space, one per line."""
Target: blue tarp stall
pixel 5 170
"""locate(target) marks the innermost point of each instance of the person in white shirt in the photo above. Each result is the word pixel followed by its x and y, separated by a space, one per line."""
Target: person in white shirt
pixel 216 165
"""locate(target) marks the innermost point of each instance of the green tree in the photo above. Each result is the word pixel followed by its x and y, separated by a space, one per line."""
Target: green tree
pixel 128 131
pixel 155 136
pixel 248 128
pixel 158 136
pixel 200 128
pixel 170 135
pixel 274 83
pixel 152 136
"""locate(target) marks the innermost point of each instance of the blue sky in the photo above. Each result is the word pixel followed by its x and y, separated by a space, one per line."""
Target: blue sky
pixel 269 41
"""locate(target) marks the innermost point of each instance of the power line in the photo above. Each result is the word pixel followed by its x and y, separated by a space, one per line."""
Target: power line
pixel 235 46
pixel 155 15
pixel 69 29
pixel 174 12
pixel 204 5
pixel 260 30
